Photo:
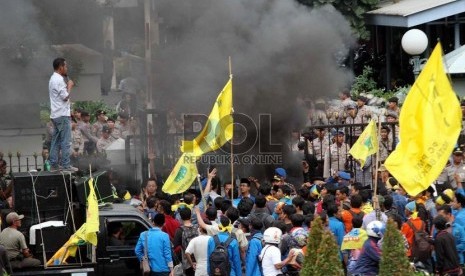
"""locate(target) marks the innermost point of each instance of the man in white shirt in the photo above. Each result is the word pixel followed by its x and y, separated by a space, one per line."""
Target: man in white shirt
pixel 60 113
pixel 198 247
pixel 271 255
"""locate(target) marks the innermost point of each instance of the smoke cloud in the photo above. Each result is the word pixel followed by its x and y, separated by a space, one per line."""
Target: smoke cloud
pixel 27 31
pixel 282 52
pixel 20 38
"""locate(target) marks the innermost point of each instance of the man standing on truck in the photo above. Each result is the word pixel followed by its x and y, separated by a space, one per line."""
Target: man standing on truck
pixel 15 243
pixel 59 89
pixel 158 248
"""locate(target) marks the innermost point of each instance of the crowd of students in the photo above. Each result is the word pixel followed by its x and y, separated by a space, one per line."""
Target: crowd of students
pixel 264 227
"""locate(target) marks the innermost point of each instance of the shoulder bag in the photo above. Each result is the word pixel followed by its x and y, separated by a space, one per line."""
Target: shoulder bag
pixel 144 263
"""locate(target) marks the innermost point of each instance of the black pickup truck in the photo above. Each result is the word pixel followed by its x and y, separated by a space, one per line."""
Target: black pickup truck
pixel 105 259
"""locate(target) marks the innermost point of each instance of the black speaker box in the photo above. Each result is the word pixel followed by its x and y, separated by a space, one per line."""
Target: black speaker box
pixel 52 191
pixel 32 218
pixel 102 187
pixel 54 238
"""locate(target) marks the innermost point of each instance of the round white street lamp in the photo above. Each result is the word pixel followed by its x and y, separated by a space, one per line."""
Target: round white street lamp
pixel 414 42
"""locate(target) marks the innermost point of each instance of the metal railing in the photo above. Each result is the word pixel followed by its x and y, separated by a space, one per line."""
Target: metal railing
pixel 18 162
pixel 339 159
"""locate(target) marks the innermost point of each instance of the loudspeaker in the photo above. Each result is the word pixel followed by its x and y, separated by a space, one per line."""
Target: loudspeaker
pixel 54 238
pixel 102 187
pixel 32 218
pixel 52 191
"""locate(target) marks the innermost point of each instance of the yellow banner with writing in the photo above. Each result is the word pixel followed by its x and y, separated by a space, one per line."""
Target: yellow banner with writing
pixel 430 123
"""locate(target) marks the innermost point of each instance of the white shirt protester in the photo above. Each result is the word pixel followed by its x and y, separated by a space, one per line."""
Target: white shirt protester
pixel 270 256
pixel 198 247
pixel 60 105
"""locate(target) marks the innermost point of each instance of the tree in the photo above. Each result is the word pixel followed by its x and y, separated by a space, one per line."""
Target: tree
pixel 394 260
pixel 354 11
pixel 364 82
pixel 328 259
pixel 313 244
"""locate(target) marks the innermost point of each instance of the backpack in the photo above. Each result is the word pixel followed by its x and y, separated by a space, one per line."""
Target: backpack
pixel 355 215
pixel 188 233
pixel 219 258
pixel 421 247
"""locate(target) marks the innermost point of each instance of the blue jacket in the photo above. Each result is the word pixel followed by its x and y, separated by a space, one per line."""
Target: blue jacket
pixel 158 249
pixel 459 217
pixel 233 253
pixel 368 261
pixel 459 234
pixel 252 267
pixel 338 230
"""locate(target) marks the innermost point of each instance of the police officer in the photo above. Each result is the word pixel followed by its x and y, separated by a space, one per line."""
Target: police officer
pixel 98 125
pixel 105 139
pixel 336 155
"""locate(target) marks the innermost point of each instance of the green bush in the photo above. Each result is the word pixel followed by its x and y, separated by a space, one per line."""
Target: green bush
pixel 313 244
pixel 394 259
pixel 328 261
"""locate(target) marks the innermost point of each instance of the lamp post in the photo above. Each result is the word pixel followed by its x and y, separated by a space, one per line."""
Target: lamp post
pixel 414 43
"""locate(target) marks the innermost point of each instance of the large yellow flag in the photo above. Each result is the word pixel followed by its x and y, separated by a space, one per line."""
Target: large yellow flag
pixel 430 123
pixel 85 234
pixel 366 144
pixel 182 176
pixel 219 126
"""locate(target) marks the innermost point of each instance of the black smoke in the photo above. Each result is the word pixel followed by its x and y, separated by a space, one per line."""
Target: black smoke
pixel 282 52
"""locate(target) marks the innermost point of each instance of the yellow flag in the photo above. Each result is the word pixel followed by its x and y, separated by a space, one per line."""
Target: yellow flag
pixel 366 144
pixel 69 248
pixel 219 126
pixel 182 176
pixel 86 233
pixel 430 123
pixel 92 219
pixel 62 254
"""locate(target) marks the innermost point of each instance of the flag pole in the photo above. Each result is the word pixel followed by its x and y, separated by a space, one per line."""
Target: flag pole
pixel 201 192
pixel 375 189
pixel 232 139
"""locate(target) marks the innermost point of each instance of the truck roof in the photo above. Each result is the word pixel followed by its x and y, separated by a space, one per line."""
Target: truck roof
pixel 121 210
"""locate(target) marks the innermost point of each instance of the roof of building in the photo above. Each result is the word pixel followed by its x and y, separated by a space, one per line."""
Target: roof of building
pixel 455 61
pixel 409 13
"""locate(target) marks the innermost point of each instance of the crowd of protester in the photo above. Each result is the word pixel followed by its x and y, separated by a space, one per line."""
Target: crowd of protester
pixel 262 227
pixel 270 222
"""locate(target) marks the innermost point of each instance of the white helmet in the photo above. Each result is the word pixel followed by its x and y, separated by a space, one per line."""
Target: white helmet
pixel 272 235
pixel 376 229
